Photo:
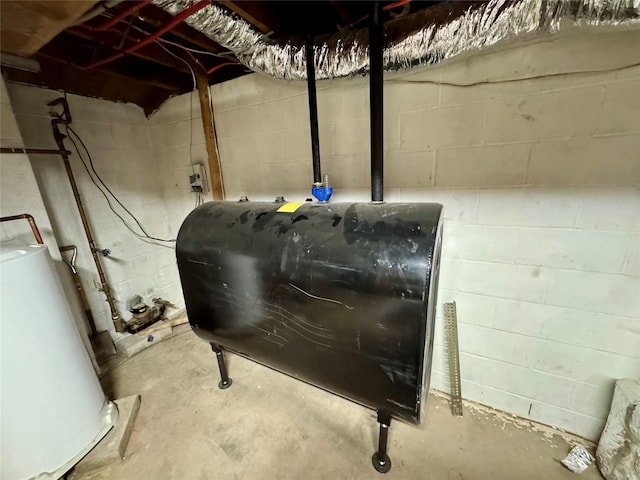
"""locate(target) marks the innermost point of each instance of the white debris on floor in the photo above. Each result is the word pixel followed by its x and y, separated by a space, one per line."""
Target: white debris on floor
pixel 578 459
pixel 618 451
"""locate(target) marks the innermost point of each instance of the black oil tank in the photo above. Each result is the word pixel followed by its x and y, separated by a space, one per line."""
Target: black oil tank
pixel 339 295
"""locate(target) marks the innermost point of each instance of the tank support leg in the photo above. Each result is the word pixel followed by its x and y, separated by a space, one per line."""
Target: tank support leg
pixel 381 461
pixel 225 381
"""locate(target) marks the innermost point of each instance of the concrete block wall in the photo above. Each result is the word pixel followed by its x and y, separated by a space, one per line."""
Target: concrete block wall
pixel 177 140
pixel 540 183
pixel 20 193
pixel 117 137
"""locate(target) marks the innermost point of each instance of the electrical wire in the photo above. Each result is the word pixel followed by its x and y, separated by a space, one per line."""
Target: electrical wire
pixel 195 50
pixel 193 73
pixel 70 134
pixel 193 76
pixel 199 198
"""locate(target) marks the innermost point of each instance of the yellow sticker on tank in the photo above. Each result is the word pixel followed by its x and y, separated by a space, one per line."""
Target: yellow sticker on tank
pixel 290 207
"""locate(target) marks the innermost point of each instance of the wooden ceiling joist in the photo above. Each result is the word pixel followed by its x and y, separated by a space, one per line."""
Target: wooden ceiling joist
pixel 25 27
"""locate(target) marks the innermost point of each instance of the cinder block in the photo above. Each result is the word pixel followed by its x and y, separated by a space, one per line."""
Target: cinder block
pixel 495 398
pixel 391 133
pixel 223 96
pixel 542 207
pixel 481 243
pixel 135 137
pixel 296 145
pixel 470 308
pixel 586 161
pixel 439 381
pixel 571 249
pixel 407 97
pixel 631 264
pixel 347 171
pixel 545 116
pixel 629 73
pixel 30 100
pixel 564 82
pixel 442 127
pixel 498 165
pixel 352 138
pixel 489 343
pixel 595 292
pixel 111 449
pixel 593 400
pixel 529 383
pixel 276 116
pixel 581 364
pixel 620 109
pixel 409 169
pixel 236 180
pixel 453 95
pixel 177 108
pixel 582 425
pixel 236 123
pixel 104 112
pixel 519 282
pixel 610 208
pixel 262 148
pixel 256 88
pixel 342 104
pixel 460 206
pixel 473 368
pixel 180 133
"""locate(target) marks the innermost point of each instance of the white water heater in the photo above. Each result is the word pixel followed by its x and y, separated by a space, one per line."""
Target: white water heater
pixel 52 407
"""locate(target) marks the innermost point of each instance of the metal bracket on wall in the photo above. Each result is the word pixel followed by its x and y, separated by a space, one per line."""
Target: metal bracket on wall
pixel 451 333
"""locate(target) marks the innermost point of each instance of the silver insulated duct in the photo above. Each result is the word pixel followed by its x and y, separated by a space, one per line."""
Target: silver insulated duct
pixel 413 40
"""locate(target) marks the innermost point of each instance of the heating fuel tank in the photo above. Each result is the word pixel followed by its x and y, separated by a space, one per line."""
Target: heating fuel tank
pixel 339 295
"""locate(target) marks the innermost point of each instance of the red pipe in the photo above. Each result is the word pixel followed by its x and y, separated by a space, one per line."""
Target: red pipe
pixel 393 5
pixel 121 15
pixel 213 69
pixel 179 18
pixel 192 56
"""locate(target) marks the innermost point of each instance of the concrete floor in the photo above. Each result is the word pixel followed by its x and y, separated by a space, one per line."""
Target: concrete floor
pixel 269 426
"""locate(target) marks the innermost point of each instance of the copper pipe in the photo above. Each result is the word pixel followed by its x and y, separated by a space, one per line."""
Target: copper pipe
pixel 32 223
pixel 34 151
pixel 65 118
pixel 81 293
pixel 179 18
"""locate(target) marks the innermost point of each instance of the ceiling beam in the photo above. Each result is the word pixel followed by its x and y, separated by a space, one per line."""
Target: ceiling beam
pixel 152 53
pixel 25 27
pixel 109 86
pixel 65 50
pixel 157 17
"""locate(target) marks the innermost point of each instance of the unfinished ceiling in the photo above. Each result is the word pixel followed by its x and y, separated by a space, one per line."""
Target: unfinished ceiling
pixel 145 51
pixel 134 51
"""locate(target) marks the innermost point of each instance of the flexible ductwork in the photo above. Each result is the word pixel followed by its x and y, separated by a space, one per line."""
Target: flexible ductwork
pixel 419 39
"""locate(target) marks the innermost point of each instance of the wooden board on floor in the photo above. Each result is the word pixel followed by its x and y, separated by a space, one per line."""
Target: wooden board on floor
pixel 162 324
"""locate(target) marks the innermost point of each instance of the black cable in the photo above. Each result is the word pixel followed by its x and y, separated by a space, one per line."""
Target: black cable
pixel 146 235
pixel 71 130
